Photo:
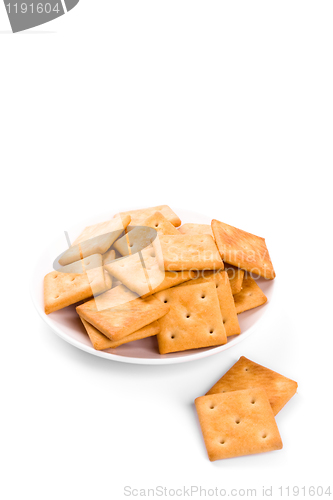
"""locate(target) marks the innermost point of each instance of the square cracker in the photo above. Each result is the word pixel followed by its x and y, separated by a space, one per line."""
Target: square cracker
pixel 73 283
pixel 194 319
pixel 139 216
pixel 139 272
pixel 186 252
pixel 120 312
pixel 237 423
pixel 189 228
pixel 171 279
pixel 140 237
pixel 242 249
pixel 160 223
pixel 226 301
pixel 93 244
pixel 115 225
pixel 100 342
pixel 92 266
pixel 250 296
pixel 236 277
pixel 246 374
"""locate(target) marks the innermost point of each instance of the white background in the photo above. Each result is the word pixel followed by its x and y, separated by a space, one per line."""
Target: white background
pixel 224 108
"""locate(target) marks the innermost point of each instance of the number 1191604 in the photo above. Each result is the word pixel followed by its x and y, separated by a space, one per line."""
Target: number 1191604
pixel 311 491
pixel 26 8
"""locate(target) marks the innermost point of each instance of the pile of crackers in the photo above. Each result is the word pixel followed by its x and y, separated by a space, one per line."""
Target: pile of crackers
pixel 237 415
pixel 142 274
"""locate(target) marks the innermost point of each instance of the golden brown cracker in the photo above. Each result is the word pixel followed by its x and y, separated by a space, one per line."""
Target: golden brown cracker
pixel 190 228
pixel 242 249
pixel 250 296
pixel 139 216
pixel 186 252
pixel 74 282
pixel 237 423
pixel 160 223
pixel 101 342
pixel 246 374
pixel 64 289
pixel 171 279
pixel 236 277
pixel 194 319
pixel 120 312
pixel 226 301
pixel 116 226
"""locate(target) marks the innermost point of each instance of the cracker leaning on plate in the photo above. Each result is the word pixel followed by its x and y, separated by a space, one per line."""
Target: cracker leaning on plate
pixel 125 267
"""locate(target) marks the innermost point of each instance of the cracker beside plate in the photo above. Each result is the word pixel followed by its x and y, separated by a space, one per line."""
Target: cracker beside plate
pixel 237 423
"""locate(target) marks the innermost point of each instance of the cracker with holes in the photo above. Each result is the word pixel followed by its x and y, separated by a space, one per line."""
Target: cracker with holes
pixel 75 282
pixel 186 252
pixel 160 223
pixel 194 319
pixel 139 216
pixel 237 423
pixel 119 312
pixel 236 277
pixel 100 342
pixel 242 249
pixel 190 228
pixel 250 296
pixel 139 272
pixel 246 374
pixel 115 226
pixel 226 301
pixel 140 237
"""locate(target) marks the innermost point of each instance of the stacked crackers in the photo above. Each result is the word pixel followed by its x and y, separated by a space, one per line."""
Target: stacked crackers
pixel 237 415
pixel 142 274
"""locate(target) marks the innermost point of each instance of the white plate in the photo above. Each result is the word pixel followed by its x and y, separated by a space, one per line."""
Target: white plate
pixel 68 326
